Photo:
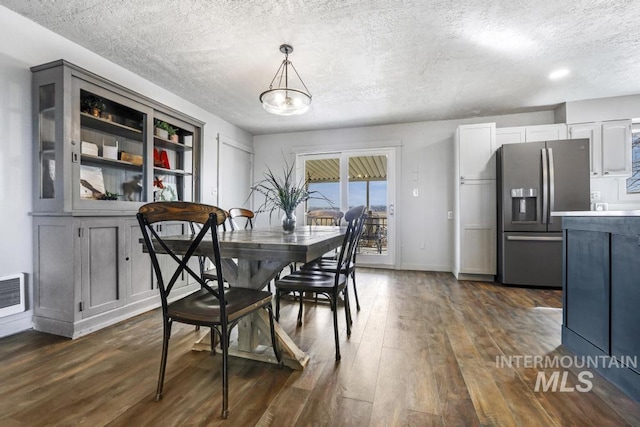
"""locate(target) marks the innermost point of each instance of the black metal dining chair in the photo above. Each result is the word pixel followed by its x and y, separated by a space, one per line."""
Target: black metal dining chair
pixel 329 284
pixel 237 213
pixel 330 265
pixel 216 307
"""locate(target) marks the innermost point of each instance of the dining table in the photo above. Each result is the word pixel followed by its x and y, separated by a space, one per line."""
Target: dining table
pixel 252 258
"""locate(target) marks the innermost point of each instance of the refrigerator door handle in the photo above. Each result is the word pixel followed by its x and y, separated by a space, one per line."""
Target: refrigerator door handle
pixel 545 180
pixel 551 186
pixel 534 238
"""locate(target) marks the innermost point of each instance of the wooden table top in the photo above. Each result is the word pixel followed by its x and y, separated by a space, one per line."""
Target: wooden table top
pixel 305 244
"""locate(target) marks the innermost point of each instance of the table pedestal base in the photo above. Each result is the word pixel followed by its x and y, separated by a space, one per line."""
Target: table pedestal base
pixel 292 356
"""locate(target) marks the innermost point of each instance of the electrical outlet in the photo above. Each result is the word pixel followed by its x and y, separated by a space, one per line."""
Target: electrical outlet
pixel 595 196
pixel 449 214
pixel 415 192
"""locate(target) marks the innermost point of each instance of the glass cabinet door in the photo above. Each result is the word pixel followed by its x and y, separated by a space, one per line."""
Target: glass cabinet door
pixel 47 141
pixel 173 145
pixel 113 149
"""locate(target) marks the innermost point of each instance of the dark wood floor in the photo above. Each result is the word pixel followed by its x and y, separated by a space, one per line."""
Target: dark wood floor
pixel 422 352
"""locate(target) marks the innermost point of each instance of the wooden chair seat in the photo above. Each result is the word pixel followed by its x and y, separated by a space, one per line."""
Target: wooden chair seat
pixel 203 308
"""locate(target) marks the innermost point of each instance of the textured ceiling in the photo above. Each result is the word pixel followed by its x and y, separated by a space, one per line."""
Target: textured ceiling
pixel 365 62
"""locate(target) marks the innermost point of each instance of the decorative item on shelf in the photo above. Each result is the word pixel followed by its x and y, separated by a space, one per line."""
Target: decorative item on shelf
pixel 163 129
pixel 156 158
pixel 91 182
pixel 107 116
pixel 110 151
pixel 164 192
pixel 89 148
pixel 164 158
pixel 136 159
pixel 161 159
pixel 93 105
pixel 110 196
pixel 132 190
pixel 282 193
pixel 174 137
pixel 286 100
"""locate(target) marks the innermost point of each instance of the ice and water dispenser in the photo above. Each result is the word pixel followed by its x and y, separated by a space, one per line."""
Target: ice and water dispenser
pixel 523 204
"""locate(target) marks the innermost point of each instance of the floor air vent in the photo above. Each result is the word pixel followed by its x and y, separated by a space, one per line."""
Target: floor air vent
pixel 11 294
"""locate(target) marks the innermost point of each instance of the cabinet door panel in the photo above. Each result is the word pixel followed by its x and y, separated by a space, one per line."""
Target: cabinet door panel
pixel 592 132
pixel 102 138
pixel 546 133
pixel 102 245
pixel 510 136
pixel 478 227
pixel 587 309
pixel 616 148
pixel 625 295
pixel 477 151
pixel 139 268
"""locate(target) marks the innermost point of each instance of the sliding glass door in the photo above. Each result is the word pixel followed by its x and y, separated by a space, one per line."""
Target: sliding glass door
pixel 346 179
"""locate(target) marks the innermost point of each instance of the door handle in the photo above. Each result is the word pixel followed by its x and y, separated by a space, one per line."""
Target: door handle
pixel 545 189
pixel 391 209
pixel 534 239
pixel 552 187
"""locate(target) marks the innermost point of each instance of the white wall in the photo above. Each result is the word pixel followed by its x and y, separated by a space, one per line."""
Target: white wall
pixel 24 44
pixel 426 147
pixel 601 109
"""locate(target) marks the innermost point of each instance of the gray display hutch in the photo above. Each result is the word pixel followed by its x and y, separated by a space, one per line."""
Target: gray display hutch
pixel 97 159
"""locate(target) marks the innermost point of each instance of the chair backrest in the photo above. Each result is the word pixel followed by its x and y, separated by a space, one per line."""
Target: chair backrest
pixel 208 218
pixel 355 220
pixel 324 217
pixel 357 214
pixel 241 213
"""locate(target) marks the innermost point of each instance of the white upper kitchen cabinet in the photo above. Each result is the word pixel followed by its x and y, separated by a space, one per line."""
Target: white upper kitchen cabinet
pixel 609 146
pixel 519 134
pixel 512 135
pixel 593 132
pixel 546 132
pixel 616 148
pixel 476 146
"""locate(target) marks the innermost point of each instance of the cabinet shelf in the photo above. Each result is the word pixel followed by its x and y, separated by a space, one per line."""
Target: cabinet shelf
pixel 109 126
pixel 88 158
pixel 176 172
pixel 170 145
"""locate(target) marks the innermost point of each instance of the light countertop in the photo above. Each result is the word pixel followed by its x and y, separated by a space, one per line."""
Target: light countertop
pixel 596 213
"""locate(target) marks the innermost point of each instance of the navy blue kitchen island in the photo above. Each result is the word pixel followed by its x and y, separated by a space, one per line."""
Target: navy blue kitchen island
pixel 601 292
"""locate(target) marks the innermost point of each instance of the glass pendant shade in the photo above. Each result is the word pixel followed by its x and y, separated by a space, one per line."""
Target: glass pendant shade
pixel 285 102
pixel 283 99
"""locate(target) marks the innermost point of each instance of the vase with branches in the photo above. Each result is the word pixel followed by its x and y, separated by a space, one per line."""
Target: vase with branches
pixel 284 193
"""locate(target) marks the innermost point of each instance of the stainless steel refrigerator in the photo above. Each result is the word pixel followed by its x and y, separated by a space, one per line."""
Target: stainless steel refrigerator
pixel 535 179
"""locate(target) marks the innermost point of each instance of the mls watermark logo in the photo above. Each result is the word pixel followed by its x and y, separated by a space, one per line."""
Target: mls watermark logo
pixel 553 371
pixel 555 382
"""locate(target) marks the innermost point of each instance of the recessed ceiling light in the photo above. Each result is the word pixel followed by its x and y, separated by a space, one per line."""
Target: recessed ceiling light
pixel 558 74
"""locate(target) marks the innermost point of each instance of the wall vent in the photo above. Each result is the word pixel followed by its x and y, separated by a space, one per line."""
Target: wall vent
pixel 11 294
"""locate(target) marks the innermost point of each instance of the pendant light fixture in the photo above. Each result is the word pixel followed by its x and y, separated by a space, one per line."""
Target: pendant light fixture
pixel 281 99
